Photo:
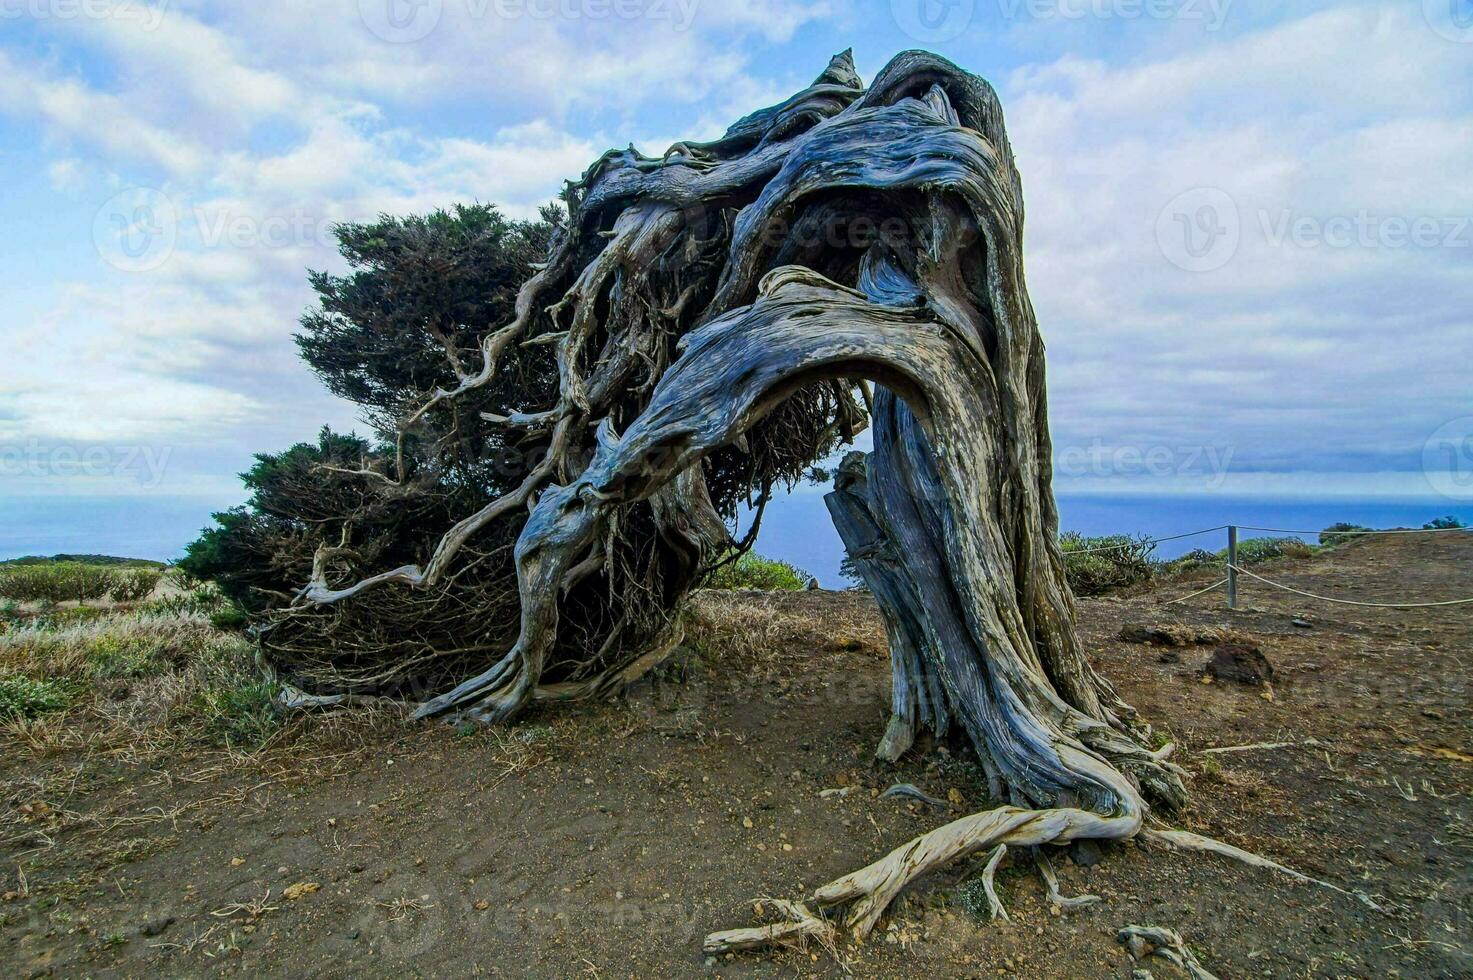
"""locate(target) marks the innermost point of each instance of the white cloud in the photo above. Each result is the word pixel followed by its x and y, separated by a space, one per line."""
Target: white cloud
pixel 1293 352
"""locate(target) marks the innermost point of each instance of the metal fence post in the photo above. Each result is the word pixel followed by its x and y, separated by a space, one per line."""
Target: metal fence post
pixel 1232 583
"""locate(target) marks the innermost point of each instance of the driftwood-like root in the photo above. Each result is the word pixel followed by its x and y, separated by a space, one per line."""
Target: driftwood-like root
pixel 1144 941
pixel 1051 882
pixel 989 885
pixel 802 926
pixel 1187 841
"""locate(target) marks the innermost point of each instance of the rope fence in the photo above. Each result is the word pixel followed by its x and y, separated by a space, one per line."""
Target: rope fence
pixel 1234 569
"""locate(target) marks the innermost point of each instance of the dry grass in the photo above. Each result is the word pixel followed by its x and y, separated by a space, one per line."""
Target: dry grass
pixel 136 678
pixel 742 627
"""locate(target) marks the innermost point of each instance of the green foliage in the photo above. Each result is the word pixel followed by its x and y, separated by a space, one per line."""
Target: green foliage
pixel 204 599
pixel 752 571
pixel 1095 565
pixel 1251 551
pixel 124 655
pixel 23 697
pixel 112 561
pixel 238 714
pixel 54 582
pixel 420 285
pixel 135 584
pixel 1443 524
pixel 1335 534
pixel 231 617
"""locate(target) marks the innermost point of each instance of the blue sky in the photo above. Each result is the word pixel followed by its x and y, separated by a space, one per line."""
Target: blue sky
pixel 1248 242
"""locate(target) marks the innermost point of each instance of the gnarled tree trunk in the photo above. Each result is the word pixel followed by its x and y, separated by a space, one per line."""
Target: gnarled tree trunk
pixel 846 234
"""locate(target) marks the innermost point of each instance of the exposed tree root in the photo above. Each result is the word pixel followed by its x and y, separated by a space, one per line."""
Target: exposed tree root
pixel 1188 841
pixel 1143 941
pixel 989 875
pixel 1051 882
pixel 871 889
pixel 804 925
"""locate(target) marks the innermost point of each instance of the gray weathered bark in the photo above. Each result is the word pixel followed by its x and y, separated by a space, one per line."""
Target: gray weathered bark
pixel 846 234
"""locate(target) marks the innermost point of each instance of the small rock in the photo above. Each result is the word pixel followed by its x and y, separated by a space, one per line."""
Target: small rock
pixel 156 927
pixel 1303 624
pixel 1169 657
pixel 354 935
pixel 293 892
pixel 482 905
pixel 747 822
pixel 1240 662
pixel 236 862
pixel 1086 853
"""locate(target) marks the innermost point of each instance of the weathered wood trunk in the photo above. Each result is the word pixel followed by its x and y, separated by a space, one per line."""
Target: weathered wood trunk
pixel 846 235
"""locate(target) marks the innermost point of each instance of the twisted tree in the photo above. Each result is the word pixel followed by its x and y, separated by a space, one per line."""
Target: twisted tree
pixel 707 324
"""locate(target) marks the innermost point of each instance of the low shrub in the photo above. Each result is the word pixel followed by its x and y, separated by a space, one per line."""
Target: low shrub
pixel 1095 565
pixel 1336 535
pixel 23 697
pixel 752 571
pixel 135 584
pixel 1443 524
pixel 201 599
pixel 1251 551
pixel 56 582
pixel 237 714
pixel 232 617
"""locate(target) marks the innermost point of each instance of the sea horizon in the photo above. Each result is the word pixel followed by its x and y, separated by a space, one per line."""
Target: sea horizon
pixel 796 527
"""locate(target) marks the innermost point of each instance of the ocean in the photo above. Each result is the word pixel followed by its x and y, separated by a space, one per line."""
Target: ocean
pixel 795 529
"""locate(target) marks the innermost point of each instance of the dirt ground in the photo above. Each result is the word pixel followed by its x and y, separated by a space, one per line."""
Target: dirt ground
pixel 607 840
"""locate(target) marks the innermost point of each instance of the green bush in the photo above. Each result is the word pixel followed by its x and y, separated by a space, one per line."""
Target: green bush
pixel 25 697
pixel 1443 524
pixel 56 582
pixel 1094 565
pixel 135 584
pixel 203 599
pixel 752 571
pixel 1254 550
pixel 232 617
pixel 238 714
pixel 1336 535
